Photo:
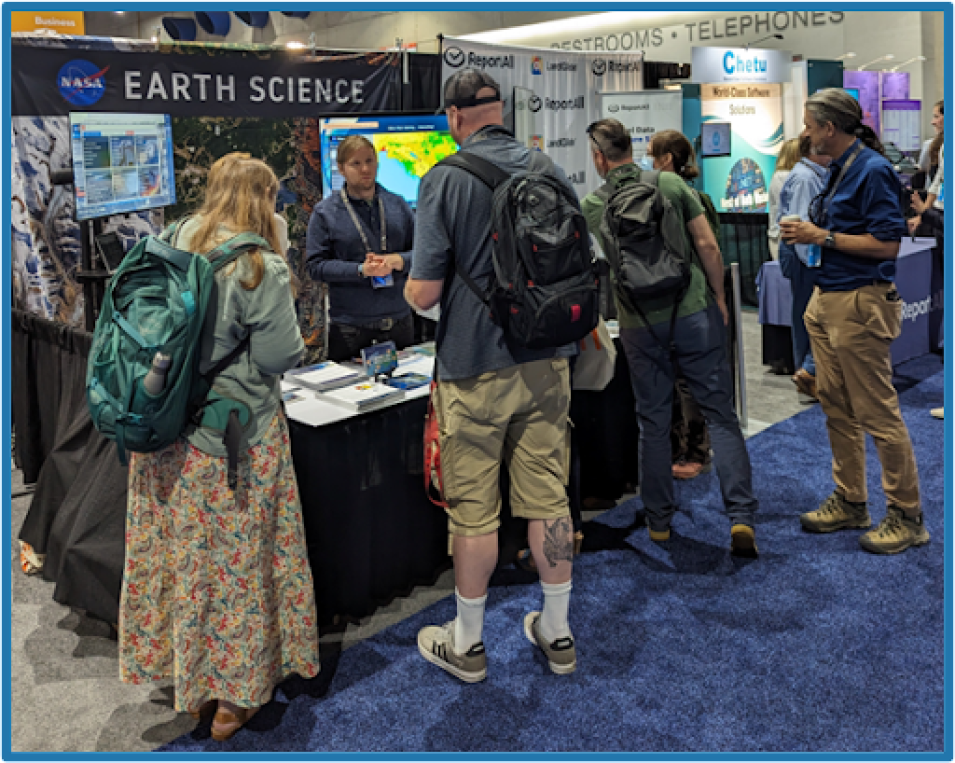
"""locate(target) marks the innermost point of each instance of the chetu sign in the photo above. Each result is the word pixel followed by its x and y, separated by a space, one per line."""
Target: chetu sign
pixel 713 65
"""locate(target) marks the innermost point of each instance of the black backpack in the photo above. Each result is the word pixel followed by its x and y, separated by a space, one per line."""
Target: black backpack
pixel 643 236
pixel 545 286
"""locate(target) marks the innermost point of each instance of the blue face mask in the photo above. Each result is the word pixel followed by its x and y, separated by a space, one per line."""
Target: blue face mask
pixel 646 163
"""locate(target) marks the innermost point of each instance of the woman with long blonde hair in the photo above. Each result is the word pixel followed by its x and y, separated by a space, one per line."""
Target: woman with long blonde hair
pixel 217 592
pixel 788 158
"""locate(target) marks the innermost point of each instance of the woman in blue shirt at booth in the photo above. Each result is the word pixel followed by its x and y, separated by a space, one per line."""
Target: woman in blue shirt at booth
pixel 360 243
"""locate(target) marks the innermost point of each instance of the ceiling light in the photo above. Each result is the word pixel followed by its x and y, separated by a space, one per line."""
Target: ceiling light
pixel 844 56
pixel 577 24
pixel 906 63
pixel 887 57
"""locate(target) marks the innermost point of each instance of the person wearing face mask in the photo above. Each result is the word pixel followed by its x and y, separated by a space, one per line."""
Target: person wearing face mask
pixel 670 151
pixel 359 242
pixel 698 349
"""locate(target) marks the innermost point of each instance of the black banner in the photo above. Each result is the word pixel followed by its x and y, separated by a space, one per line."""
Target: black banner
pixel 53 82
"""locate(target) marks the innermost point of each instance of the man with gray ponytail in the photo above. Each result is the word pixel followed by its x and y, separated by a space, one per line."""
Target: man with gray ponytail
pixel 854 315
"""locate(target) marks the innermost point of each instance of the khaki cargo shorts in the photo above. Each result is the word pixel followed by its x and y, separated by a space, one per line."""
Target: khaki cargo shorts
pixel 518 415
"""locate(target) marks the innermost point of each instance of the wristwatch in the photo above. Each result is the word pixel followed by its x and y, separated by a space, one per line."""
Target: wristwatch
pixel 830 241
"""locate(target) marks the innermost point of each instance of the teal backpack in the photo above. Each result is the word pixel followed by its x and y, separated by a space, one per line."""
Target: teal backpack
pixel 157 301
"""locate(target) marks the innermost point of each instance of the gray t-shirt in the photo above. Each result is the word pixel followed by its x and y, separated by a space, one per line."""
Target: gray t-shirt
pixel 454 214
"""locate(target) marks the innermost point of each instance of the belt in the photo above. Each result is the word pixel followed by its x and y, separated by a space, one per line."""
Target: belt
pixel 873 282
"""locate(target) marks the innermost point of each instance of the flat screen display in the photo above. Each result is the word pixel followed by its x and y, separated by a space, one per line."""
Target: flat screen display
pixel 407 145
pixel 715 139
pixel 121 163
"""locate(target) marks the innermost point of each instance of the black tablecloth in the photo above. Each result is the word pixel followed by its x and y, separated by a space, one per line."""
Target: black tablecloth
pixel 372 533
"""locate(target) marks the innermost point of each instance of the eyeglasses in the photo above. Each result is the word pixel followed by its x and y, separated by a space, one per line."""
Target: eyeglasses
pixel 593 139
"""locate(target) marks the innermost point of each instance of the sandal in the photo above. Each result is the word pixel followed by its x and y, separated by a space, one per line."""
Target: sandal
pixel 226 723
pixel 206 709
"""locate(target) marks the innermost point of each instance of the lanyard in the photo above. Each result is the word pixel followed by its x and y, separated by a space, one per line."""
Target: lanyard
pixel 361 230
pixel 842 174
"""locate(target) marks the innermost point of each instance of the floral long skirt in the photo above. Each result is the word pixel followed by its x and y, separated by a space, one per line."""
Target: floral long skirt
pixel 217 591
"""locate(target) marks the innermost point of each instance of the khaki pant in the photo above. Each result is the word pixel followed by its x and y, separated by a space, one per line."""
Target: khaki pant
pixel 851 332
pixel 518 415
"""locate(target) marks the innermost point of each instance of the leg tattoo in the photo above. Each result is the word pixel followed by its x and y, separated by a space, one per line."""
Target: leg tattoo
pixel 558 543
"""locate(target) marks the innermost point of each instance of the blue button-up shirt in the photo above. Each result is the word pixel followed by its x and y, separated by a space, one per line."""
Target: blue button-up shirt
pixel 868 200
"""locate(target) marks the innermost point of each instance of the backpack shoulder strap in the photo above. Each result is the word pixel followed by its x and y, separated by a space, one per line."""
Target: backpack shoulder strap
pixel 235 247
pixel 487 172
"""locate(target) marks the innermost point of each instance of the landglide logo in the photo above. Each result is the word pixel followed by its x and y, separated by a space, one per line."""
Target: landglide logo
pixel 537 65
pixel 561 143
pixel 562 66
pixel 81 83
pixel 570 104
pixel 454 57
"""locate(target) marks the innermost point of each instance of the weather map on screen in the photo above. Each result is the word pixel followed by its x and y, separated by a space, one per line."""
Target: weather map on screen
pixel 407 146
pixel 121 163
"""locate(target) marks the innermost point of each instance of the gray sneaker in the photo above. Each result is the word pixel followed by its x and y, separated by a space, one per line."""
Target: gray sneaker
pixel 895 533
pixel 836 513
pixel 436 645
pixel 561 654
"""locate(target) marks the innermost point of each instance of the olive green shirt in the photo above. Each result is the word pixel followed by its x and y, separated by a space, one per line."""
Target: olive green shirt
pixel 688 208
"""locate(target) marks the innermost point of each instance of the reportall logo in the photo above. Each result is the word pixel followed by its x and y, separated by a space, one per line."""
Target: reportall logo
pixel 81 83
pixel 613 108
pixel 599 67
pixel 537 65
pixel 534 103
pixel 454 57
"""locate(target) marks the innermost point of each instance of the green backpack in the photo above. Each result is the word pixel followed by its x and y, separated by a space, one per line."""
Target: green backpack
pixel 157 301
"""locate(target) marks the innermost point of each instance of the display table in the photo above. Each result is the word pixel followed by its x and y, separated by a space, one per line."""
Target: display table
pixel 920 285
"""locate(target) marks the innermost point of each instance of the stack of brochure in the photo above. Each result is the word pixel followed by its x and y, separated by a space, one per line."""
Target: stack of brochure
pixel 324 376
pixel 366 396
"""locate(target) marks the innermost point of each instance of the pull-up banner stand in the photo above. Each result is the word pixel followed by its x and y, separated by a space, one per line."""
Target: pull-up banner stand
pixel 563 89
pixel 644 114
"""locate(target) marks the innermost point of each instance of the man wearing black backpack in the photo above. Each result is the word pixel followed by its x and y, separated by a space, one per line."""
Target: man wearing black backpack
pixel 663 254
pixel 496 399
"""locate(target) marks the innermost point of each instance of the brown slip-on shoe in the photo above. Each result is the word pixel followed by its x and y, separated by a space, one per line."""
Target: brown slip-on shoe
pixel 226 723
pixel 806 383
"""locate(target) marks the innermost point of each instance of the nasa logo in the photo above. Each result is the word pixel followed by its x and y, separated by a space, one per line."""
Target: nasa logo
pixel 537 65
pixel 599 67
pixel 81 83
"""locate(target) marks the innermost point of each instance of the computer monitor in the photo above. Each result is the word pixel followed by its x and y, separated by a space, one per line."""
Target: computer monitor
pixel 408 146
pixel 853 91
pixel 715 139
pixel 121 163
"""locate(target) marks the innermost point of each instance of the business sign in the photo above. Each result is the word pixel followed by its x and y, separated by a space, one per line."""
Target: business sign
pixel 740 182
pixel 64 22
pixel 554 94
pixel 54 81
pixel 644 114
pixel 711 65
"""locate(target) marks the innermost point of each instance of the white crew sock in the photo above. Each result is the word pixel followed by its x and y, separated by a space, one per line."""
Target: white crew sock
pixel 469 624
pixel 554 623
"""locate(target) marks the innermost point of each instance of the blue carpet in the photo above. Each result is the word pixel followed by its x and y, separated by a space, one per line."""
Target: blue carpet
pixel 817 646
